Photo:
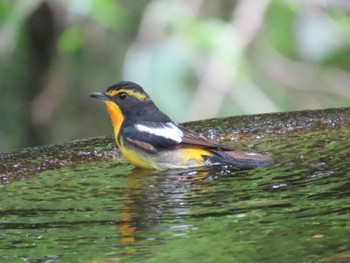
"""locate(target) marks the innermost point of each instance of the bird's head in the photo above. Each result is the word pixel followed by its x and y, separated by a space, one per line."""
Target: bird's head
pixel 126 95
pixel 127 100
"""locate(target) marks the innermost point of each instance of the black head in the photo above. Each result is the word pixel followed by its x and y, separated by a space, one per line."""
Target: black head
pixel 125 94
pixel 132 100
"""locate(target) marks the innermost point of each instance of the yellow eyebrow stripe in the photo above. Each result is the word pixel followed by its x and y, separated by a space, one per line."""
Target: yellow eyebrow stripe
pixel 133 93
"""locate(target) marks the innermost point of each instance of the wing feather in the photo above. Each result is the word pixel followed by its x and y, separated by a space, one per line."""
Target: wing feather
pixel 153 136
pixel 192 139
pixel 144 145
pixel 248 159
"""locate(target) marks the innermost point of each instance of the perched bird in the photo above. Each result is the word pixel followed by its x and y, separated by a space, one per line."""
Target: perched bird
pixel 150 139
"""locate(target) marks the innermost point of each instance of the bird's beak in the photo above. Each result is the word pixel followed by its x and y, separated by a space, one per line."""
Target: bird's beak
pixel 98 95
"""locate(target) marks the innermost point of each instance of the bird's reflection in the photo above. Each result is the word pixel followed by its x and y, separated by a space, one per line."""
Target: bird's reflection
pixel 154 196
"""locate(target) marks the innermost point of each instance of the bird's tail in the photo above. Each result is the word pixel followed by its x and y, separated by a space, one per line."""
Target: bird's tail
pixel 246 159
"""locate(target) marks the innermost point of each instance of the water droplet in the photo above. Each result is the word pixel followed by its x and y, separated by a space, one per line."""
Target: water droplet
pixel 279 185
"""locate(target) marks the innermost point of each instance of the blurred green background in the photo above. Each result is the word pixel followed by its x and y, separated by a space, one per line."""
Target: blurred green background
pixel 196 58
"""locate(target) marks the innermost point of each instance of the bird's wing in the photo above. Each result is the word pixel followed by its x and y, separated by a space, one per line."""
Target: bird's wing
pixel 192 139
pixel 153 136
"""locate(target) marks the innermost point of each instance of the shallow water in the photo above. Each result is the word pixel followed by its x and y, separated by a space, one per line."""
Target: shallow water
pixel 297 210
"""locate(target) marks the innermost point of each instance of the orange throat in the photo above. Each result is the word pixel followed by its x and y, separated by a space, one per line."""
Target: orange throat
pixel 116 115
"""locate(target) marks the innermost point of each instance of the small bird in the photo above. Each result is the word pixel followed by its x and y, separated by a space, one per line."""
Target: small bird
pixel 150 139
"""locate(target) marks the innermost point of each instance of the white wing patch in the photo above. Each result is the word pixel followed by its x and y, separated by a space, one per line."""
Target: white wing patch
pixel 168 130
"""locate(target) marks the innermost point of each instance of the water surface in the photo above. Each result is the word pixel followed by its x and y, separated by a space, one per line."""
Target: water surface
pixel 297 210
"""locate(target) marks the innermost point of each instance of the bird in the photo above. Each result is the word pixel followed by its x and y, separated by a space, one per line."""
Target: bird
pixel 149 139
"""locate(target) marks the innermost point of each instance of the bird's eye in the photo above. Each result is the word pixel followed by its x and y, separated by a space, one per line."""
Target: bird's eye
pixel 122 95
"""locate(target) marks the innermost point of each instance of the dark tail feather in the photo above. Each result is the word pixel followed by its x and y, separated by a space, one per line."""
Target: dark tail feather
pixel 246 159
